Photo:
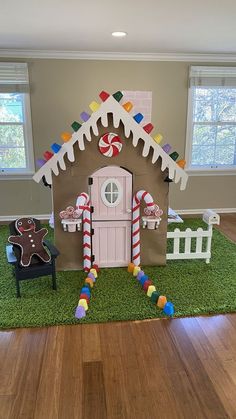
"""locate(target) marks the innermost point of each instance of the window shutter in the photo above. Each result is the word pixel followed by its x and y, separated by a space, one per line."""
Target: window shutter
pixel 201 76
pixel 14 78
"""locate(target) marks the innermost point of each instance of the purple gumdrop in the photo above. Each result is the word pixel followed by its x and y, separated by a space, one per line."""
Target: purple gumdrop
pixel 140 274
pixel 84 116
pixel 91 276
pixel 40 162
pixel 166 148
pixel 80 312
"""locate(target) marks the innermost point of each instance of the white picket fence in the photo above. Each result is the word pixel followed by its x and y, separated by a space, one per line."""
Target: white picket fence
pixel 194 251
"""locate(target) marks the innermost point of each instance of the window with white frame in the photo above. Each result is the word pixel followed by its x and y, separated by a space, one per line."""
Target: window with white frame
pixel 16 148
pixel 211 125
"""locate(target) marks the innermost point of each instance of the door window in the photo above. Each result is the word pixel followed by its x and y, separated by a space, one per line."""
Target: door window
pixel 111 192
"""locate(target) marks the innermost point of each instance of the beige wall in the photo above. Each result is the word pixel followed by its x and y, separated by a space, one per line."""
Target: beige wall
pixel 61 89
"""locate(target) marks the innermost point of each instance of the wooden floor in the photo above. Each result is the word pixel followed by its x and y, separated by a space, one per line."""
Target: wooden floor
pixel 180 368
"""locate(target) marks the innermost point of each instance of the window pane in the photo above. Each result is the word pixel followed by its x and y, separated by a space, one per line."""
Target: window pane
pixel 108 187
pixel 225 155
pixel 114 197
pixel 226 135
pixel 204 134
pixel 226 109
pixel 203 155
pixel 11 136
pixel 11 107
pixel 114 187
pixel 204 105
pixel 108 196
pixel 13 158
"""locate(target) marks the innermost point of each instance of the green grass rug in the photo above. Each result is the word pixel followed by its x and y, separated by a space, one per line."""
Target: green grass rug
pixel 193 286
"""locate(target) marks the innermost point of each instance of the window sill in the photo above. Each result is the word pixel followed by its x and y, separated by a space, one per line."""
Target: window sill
pixel 16 176
pixel 210 172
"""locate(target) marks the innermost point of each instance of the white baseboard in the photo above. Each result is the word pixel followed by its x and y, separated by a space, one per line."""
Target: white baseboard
pixel 180 212
pixel 201 211
pixel 14 217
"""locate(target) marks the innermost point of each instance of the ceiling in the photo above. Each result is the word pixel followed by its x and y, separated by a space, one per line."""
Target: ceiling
pixel 153 26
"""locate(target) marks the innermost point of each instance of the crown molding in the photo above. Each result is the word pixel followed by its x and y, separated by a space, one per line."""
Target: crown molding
pixel 115 56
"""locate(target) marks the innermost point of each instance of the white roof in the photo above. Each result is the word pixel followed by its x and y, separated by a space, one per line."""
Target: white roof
pixel 176 173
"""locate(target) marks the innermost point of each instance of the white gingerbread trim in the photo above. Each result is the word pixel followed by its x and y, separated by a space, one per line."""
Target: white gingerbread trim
pixel 111 106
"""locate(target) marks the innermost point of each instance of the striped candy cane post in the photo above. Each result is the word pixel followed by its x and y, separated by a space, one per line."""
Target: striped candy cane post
pixel 136 222
pixel 83 205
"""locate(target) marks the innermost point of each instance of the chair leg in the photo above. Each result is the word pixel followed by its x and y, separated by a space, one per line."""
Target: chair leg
pixel 54 278
pixel 18 288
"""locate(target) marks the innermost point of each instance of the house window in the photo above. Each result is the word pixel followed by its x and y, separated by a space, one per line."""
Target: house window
pixel 111 192
pixel 16 148
pixel 211 125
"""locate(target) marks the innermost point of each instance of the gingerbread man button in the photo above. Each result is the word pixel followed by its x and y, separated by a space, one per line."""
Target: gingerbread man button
pixel 30 241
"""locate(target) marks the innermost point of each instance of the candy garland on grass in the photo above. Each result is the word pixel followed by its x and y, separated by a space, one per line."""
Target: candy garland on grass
pixel 85 293
pixel 136 221
pixel 150 289
pixel 83 206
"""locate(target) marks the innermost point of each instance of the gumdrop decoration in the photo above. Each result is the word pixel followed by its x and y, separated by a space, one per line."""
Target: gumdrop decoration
pixel 104 96
pixel 138 118
pixel 76 126
pixel 118 96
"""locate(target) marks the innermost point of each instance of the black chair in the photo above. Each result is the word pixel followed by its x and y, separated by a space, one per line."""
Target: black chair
pixel 37 267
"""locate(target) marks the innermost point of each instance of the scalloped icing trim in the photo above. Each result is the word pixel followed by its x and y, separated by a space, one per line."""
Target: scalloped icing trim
pixel 57 162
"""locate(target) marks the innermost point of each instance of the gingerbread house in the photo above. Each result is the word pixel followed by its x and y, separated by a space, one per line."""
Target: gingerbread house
pixel 117 169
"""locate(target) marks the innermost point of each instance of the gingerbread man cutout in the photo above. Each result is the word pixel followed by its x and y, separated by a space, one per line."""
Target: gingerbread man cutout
pixel 30 241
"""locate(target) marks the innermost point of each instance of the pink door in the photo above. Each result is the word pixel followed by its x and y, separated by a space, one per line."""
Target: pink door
pixel 111 197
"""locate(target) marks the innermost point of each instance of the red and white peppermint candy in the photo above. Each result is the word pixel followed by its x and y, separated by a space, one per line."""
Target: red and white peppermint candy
pixel 110 144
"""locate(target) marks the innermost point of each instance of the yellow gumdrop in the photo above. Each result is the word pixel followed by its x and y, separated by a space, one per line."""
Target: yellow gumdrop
pixel 136 270
pixel 83 303
pixel 94 272
pixel 150 290
pixel 94 106
pixel 158 138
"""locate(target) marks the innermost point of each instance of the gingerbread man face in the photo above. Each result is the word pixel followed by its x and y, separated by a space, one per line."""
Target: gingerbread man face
pixel 24 225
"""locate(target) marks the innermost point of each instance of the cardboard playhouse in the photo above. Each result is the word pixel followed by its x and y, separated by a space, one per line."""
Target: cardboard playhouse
pixel 110 185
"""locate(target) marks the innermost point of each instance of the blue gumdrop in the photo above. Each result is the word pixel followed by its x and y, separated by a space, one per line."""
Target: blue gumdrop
pixel 86 290
pixel 55 147
pixel 140 274
pixel 169 309
pixel 138 117
pixel 143 279
pixel 80 312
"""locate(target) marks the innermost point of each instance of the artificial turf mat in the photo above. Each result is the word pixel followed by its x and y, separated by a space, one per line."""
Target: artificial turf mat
pixel 193 286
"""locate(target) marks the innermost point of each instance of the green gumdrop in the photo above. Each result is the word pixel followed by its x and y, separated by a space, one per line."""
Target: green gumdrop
pixel 154 297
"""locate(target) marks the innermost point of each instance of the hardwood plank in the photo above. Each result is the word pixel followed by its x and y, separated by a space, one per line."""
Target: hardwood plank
pixel 91 346
pixel 47 403
pixel 222 382
pixel 5 406
pixel 228 225
pixel 70 397
pixel 23 405
pixel 94 399
pixel 184 400
pixel 117 397
pixel 211 405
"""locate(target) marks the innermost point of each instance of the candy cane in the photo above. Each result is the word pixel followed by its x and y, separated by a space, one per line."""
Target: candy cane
pixel 83 207
pixel 136 222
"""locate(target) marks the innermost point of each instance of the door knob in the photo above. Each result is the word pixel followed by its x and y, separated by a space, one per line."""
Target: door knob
pixel 128 210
